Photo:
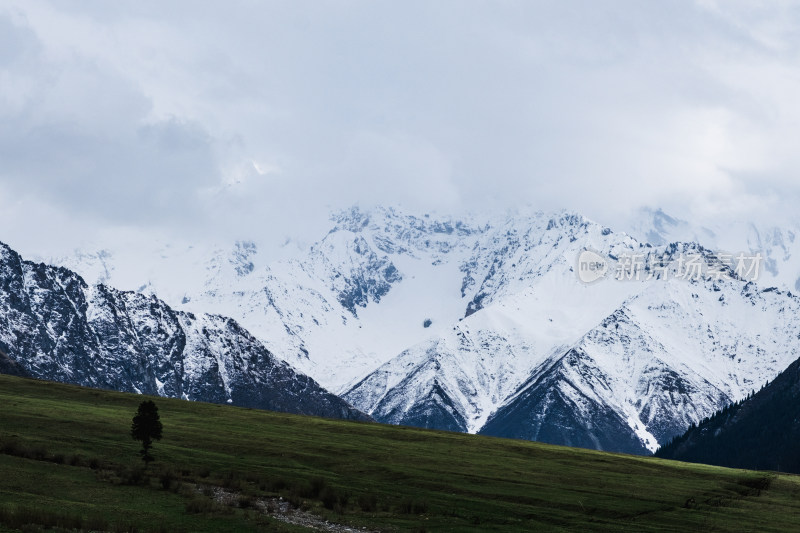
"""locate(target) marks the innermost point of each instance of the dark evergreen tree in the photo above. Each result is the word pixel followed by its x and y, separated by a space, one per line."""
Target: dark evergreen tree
pixel 146 428
pixel 760 432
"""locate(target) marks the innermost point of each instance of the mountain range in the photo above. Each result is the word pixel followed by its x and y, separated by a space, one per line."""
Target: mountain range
pixel 480 324
pixel 55 326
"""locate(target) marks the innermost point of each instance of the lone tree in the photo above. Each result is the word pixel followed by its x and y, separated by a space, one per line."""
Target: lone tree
pixel 146 427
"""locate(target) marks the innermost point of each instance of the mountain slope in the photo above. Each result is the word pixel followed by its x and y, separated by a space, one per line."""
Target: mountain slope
pixel 618 365
pixel 760 432
pixel 482 324
pixel 418 479
pixel 375 283
pixel 54 326
pixel 553 408
pixel 657 364
pixel 776 240
pixel 513 278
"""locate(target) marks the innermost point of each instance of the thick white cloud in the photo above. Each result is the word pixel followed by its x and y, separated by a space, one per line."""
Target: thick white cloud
pixel 256 118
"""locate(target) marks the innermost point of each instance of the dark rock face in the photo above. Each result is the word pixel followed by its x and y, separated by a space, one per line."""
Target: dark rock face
pixel 435 411
pixel 551 408
pixel 373 277
pixel 54 326
pixel 369 283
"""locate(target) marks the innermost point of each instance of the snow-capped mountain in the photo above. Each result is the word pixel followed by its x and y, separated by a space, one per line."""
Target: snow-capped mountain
pixel 521 302
pixel 55 326
pixel 616 365
pixel 482 324
pixel 779 243
pixel 360 295
pixel 666 358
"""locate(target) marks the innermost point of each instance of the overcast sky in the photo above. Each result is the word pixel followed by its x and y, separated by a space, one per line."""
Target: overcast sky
pixel 255 119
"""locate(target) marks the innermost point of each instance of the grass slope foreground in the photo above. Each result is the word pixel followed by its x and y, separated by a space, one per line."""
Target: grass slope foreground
pixel 68 463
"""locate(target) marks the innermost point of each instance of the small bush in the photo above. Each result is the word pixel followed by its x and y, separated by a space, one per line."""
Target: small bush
pixel 304 489
pixel 275 484
pixel 334 499
pixel 123 528
pixel 299 490
pixel 184 490
pixel 316 487
pixel 755 484
pixel 405 506
pixel 409 506
pixel 253 478
pixel 344 499
pixel 8 447
pixel 329 498
pixel 38 453
pixel 167 478
pixel 233 481
pixel 199 505
pixel 246 502
pixel 368 502
pixel 133 476
pixel 16 448
pixel 294 499
pixel 95 523
pixel 25 518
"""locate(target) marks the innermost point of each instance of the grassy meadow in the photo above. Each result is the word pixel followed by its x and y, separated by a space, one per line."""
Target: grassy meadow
pixel 67 463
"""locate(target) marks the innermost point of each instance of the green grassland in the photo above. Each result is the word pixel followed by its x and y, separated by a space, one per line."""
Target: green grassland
pixel 68 463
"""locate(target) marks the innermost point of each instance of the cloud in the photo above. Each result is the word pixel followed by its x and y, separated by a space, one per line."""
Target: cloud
pixel 261 116
pixel 82 136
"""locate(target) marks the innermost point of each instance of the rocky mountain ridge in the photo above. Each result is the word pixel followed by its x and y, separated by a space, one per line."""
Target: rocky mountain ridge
pixel 55 326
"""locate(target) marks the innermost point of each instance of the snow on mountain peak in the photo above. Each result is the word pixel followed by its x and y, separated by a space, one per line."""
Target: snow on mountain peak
pixel 481 323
